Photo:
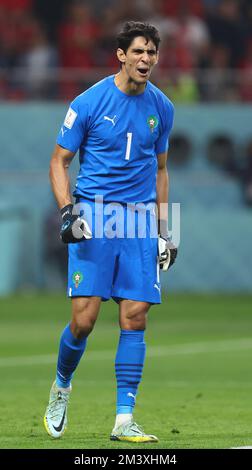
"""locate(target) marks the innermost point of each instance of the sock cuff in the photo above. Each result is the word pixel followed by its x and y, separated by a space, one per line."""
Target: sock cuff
pixel 137 335
pixel 70 338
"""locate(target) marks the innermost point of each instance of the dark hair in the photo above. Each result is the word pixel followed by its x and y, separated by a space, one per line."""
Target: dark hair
pixel 132 29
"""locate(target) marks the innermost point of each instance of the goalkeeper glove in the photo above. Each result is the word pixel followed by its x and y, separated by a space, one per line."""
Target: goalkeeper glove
pixel 166 250
pixel 167 253
pixel 74 228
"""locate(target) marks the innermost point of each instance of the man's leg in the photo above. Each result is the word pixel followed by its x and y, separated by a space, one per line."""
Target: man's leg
pixel 72 346
pixel 129 367
pixel 74 337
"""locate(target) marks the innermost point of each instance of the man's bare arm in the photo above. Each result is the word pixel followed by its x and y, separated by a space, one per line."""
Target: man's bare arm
pixel 167 251
pixel 74 229
pixel 59 177
pixel 162 191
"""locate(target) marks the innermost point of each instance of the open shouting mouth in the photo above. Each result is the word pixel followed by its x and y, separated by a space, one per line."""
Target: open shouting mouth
pixel 143 71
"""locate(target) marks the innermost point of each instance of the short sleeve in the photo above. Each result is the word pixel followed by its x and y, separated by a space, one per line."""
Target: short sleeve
pixel 74 127
pixel 162 143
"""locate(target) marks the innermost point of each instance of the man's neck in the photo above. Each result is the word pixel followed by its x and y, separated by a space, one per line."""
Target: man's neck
pixel 126 85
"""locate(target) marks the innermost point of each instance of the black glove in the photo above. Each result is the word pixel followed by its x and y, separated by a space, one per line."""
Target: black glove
pixel 74 228
pixel 166 250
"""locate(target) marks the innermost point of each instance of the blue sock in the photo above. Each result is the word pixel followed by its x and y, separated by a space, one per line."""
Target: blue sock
pixel 70 352
pixel 129 366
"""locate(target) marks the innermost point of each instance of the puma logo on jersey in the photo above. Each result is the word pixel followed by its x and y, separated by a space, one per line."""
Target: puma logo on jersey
pixel 107 118
pixel 63 131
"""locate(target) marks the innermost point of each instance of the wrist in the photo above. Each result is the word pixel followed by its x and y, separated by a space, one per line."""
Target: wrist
pixel 66 211
pixel 163 228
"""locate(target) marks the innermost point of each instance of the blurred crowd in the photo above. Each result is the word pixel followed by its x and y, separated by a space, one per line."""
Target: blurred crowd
pixel 55 49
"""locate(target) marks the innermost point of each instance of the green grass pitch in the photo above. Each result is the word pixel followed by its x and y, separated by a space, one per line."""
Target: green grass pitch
pixel 197 384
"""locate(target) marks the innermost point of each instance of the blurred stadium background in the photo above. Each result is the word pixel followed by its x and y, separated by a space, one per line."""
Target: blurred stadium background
pixel 52 50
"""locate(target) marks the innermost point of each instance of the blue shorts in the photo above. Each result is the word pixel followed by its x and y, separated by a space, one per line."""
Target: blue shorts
pixel 120 267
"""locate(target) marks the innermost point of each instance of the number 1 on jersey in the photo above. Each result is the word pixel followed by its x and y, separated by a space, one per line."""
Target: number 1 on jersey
pixel 129 141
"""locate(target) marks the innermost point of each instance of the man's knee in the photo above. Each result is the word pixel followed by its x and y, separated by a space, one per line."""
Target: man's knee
pixel 84 314
pixel 133 315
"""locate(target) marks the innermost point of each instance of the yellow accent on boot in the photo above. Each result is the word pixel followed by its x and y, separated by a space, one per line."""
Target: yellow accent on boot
pixel 131 432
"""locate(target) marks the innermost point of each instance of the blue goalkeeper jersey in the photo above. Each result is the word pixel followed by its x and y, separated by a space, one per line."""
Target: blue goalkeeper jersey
pixel 119 137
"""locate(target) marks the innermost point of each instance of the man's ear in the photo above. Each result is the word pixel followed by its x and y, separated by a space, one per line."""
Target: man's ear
pixel 121 55
pixel 157 59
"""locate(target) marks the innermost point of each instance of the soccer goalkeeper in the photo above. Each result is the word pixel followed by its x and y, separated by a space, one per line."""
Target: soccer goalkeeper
pixel 121 127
